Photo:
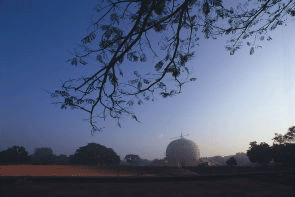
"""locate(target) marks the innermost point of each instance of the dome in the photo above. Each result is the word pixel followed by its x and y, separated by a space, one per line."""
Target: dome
pixel 182 152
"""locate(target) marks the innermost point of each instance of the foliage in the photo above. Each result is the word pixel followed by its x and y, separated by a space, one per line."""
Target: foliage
pixel 43 155
pixel 260 153
pixel 14 155
pixel 289 137
pixel 231 162
pixel 95 154
pixel 158 36
pixel 284 154
pixel 61 159
pixel 284 149
pixel 132 159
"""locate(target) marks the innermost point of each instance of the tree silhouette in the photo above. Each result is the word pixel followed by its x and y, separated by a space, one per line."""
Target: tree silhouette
pixel 284 149
pixel 95 154
pixel 260 153
pixel 61 159
pixel 160 36
pixel 289 137
pixel 43 155
pixel 231 162
pixel 14 155
pixel 132 159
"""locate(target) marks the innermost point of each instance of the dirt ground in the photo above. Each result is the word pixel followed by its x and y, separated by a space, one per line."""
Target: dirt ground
pixel 57 170
pixel 222 187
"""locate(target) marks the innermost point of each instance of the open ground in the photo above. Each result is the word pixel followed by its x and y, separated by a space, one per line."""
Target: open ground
pixel 91 181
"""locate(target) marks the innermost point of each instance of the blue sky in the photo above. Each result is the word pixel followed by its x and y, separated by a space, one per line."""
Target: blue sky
pixel 235 100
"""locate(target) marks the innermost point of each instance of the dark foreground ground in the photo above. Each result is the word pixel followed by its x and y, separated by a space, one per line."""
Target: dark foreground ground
pixel 170 187
pixel 266 184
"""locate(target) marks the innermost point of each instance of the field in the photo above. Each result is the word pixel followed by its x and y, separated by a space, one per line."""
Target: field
pixel 91 181
pixel 58 170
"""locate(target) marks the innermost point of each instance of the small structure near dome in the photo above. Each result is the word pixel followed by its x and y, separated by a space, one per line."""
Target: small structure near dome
pixel 182 152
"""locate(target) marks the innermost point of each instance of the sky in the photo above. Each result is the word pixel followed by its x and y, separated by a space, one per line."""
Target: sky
pixel 235 100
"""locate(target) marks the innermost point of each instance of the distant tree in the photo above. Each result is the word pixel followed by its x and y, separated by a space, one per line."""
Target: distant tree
pixel 95 154
pixel 156 162
pixel 260 153
pixel 231 162
pixel 284 148
pixel 284 154
pixel 289 137
pixel 61 159
pixel 128 33
pixel 14 155
pixel 132 159
pixel 43 155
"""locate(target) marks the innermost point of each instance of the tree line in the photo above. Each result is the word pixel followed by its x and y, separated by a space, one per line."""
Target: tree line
pixel 91 154
pixel 282 152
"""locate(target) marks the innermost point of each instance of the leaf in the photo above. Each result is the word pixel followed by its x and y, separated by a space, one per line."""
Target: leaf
pixel 134 117
pixel 68 101
pixel 113 78
pixel 187 70
pixel 159 65
pixel 88 38
pixel 245 36
pixel 228 30
pixel 115 18
pixel 143 58
pixel 292 12
pixel 159 7
pixel 63 93
pixel 206 8
pixel 165 94
pixel 167 57
pixel 74 61
pixel 251 50
pixel 130 103
pixel 136 74
pixel 63 106
pixel 99 58
pixel 80 101
pixel 146 81
pixel 90 101
pixel 132 57
pixel 133 81
pixel 217 3
pixel 139 85
pixel 83 62
pixel 175 72
pixel 161 85
pixel 159 27
pixel 220 13
pixel 121 73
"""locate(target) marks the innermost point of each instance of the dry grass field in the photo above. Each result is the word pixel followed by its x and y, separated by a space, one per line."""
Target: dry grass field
pixel 87 181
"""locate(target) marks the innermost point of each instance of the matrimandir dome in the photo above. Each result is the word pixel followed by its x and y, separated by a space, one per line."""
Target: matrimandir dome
pixel 182 152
